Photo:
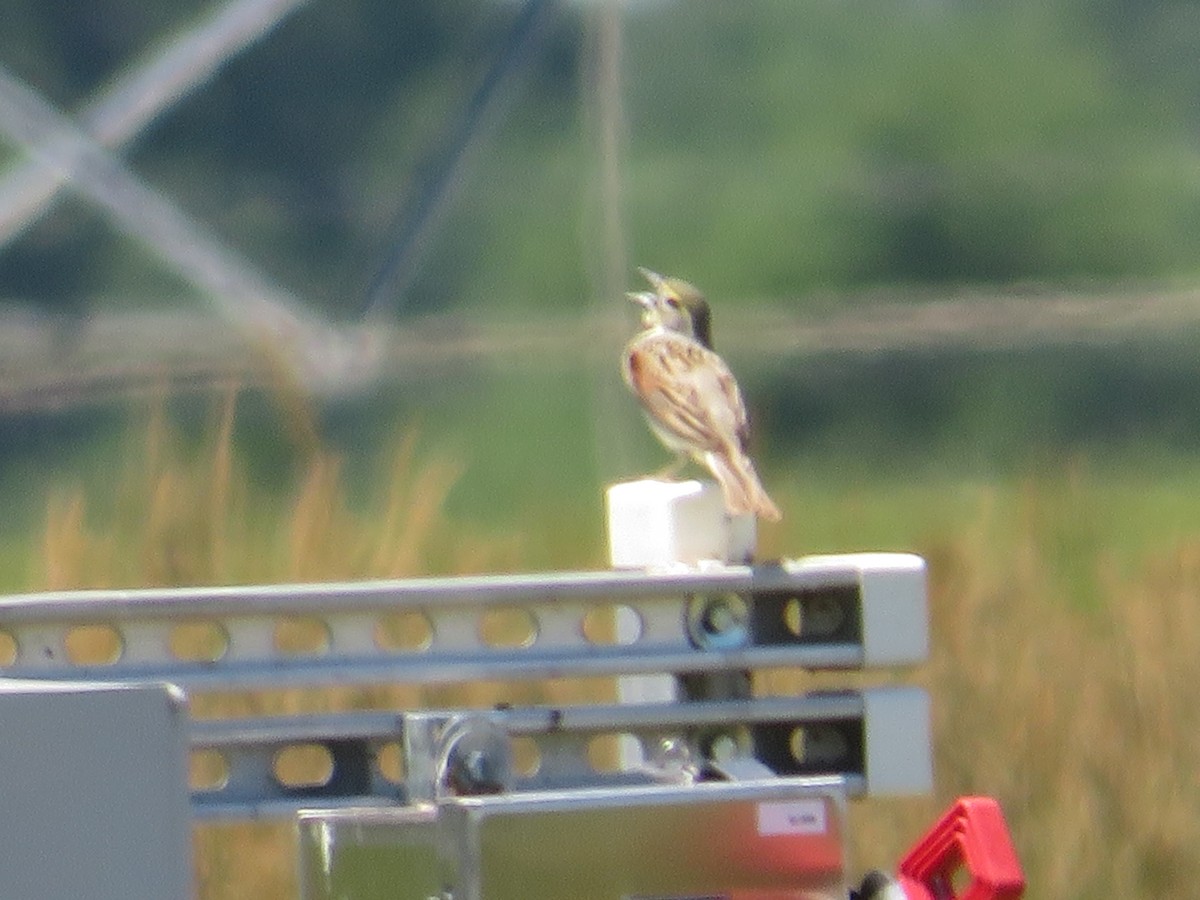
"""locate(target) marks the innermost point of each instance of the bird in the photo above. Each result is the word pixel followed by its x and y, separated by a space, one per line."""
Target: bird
pixel 691 400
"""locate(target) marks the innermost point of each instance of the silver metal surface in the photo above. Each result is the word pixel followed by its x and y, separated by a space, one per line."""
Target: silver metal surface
pixel 782 838
pixel 777 837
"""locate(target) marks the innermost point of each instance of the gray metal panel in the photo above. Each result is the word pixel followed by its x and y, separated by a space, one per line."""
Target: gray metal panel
pixel 93 792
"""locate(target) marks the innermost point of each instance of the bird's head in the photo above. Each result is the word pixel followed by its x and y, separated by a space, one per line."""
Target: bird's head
pixel 675 304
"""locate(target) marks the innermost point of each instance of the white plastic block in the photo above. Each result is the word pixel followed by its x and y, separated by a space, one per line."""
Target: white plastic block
pixel 640 688
pixel 895 619
pixel 654 524
pixel 898 738
pixel 660 524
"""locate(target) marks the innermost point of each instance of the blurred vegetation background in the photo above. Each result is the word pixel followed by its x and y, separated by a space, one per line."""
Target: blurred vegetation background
pixel 772 151
pixel 805 159
pixel 803 163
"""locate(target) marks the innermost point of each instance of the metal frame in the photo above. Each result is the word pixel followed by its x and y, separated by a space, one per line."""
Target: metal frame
pixel 835 729
pixel 838 612
pixel 854 611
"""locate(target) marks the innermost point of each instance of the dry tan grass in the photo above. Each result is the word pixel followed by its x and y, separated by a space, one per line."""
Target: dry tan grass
pixel 1080 720
pixel 1082 723
pixel 187 517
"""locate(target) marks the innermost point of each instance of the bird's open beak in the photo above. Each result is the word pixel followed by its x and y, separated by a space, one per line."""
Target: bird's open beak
pixel 656 281
pixel 644 299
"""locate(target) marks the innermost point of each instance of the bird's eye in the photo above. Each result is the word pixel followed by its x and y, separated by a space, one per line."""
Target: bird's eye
pixel 673 303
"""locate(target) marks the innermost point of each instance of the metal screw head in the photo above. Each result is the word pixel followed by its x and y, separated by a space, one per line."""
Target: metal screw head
pixel 475 758
pixel 718 621
pixel 671 761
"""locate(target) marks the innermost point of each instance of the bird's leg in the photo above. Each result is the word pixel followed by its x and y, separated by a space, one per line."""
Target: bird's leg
pixel 671 469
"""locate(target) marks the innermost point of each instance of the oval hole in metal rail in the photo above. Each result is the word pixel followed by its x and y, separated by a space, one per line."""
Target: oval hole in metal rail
pixel 198 641
pixel 302 765
pixel 616 625
pixel 604 751
pixel 816 616
pixel 793 617
pixel 818 745
pixel 722 745
pixel 718 621
pixel 526 757
pixel 406 631
pixel 8 649
pixel 208 770
pixel 389 760
pixel 508 628
pixel 301 636
pixel 94 645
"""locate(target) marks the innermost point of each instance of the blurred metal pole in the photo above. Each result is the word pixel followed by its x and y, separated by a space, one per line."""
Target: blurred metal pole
pixel 118 113
pixel 611 125
pixel 483 110
pixel 612 407
pixel 317 355
pixel 606 255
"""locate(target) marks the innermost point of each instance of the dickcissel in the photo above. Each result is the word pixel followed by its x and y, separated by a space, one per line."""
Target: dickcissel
pixel 689 395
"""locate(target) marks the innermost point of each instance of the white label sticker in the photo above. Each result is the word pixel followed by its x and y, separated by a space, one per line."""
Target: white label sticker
pixel 791 817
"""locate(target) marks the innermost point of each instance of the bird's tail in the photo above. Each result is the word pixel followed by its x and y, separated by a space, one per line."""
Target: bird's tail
pixel 739 482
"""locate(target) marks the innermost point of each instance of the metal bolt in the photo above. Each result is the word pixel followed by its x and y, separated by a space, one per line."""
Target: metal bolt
pixel 673 754
pixel 723 748
pixel 718 617
pixel 718 622
pixel 475 759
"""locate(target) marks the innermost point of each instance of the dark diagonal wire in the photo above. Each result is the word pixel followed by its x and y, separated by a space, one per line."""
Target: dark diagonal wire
pixel 386 291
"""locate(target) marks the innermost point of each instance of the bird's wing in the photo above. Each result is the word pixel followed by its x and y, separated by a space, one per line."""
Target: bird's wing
pixel 688 390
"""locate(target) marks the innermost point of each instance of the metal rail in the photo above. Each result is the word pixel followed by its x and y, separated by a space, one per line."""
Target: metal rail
pixel 821 612
pixel 813 735
pixel 838 612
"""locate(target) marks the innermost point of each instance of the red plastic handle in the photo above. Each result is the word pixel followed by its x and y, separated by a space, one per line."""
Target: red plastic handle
pixel 971 841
